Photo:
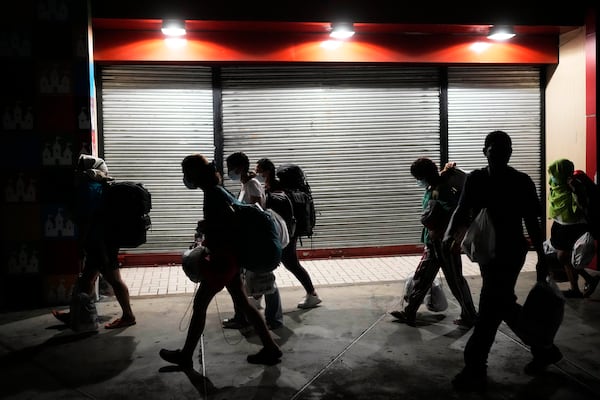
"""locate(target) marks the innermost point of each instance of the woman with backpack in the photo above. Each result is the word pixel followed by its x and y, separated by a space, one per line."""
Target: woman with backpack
pixel 222 269
pixel 265 172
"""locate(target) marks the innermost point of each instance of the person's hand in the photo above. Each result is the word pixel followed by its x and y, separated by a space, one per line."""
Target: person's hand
pixel 541 270
pixel 449 243
pixel 448 166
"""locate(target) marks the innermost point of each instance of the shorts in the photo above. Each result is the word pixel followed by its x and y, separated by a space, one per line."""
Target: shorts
pixel 563 237
pixel 220 272
pixel 102 257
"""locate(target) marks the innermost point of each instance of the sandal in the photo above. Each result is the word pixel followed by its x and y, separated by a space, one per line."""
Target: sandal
pixel 590 287
pixel 64 317
pixel 119 323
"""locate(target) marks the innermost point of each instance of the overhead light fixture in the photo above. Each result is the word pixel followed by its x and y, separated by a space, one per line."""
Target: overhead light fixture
pixel 173 27
pixel 501 32
pixel 341 30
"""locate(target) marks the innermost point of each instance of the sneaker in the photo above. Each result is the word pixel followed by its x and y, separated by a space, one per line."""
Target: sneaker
pixel 176 357
pixel 234 323
pixel 542 359
pixel 405 318
pixel 310 301
pixel 265 357
pixel 470 381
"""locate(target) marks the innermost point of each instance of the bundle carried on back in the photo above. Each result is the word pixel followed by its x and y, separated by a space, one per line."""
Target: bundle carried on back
pixel 128 206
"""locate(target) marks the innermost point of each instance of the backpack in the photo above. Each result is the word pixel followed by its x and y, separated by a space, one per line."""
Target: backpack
pixel 282 205
pixel 293 182
pixel 455 178
pixel 587 197
pixel 258 245
pixel 127 206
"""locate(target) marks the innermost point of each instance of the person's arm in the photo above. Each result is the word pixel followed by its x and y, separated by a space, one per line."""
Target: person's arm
pixel 533 221
pixel 255 192
pixel 461 217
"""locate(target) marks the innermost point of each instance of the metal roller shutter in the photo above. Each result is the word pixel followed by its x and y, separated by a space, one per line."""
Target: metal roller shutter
pixel 483 99
pixel 354 130
pixel 152 118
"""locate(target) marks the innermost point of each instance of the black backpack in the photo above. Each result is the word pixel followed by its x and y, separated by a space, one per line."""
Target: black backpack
pixel 294 183
pixel 127 206
pixel 280 203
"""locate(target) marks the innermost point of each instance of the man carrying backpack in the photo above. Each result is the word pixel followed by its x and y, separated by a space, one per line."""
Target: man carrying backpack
pixel 439 201
pixel 251 192
pixel 265 171
pixel 99 251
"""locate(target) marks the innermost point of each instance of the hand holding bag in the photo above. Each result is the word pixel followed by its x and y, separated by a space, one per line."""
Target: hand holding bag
pixel 479 243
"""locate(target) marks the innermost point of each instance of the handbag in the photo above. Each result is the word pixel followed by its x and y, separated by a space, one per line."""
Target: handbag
pixel 542 313
pixel 479 243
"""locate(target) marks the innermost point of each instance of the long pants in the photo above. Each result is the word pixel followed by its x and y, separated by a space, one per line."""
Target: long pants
pixel 289 259
pixel 431 261
pixel 497 303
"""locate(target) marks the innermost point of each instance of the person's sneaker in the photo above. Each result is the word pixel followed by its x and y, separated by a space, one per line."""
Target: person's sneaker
pixel 470 381
pixel 310 301
pixel 233 323
pixel 405 318
pixel 266 357
pixel 176 357
pixel 543 359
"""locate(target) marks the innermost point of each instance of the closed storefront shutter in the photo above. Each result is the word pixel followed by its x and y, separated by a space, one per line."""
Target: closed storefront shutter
pixel 152 118
pixel 484 99
pixel 354 130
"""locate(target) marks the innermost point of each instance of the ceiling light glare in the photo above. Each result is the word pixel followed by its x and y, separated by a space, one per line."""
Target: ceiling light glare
pixel 342 30
pixel 501 33
pixel 173 27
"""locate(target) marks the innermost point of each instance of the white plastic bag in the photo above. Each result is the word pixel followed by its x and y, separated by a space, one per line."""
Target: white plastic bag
pixel 435 300
pixel 583 252
pixel 548 248
pixel 479 243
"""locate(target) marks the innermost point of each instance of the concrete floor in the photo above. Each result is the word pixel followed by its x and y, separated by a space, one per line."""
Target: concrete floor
pixel 348 348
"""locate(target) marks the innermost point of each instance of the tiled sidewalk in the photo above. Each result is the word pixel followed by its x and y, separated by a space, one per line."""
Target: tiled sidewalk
pixel 165 280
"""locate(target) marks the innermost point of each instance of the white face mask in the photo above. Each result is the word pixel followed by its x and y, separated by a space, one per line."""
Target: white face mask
pixel 234 176
pixel 260 178
pixel 189 184
pixel 422 183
